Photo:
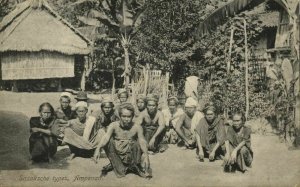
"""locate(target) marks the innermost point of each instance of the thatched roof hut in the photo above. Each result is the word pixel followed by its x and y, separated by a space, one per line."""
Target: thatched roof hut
pixel 37 43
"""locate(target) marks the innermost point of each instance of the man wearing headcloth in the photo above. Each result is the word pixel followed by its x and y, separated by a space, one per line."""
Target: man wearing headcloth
pixel 171 116
pixel 140 104
pixel 123 97
pixel 125 146
pixel 104 116
pixel 152 121
pixel 78 135
pixel 63 114
pixel 65 111
pixel 239 138
pixel 185 126
pixel 211 135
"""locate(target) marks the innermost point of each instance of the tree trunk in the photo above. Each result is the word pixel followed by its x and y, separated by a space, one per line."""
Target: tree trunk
pixel 82 80
pixel 146 77
pixel 127 67
pixel 113 90
pixel 230 49
pixel 246 71
pixel 297 109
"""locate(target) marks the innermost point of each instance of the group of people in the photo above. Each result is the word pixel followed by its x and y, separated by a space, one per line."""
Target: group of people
pixel 127 133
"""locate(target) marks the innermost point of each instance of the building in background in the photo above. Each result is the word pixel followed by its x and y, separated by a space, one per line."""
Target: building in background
pixel 40 50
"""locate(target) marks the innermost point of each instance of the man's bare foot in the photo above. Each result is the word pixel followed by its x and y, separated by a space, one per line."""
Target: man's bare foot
pixel 71 157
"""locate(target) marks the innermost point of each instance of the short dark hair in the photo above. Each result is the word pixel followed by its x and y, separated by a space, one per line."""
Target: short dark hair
pixel 127 106
pixel 103 103
pixel 46 104
pixel 239 113
pixel 211 108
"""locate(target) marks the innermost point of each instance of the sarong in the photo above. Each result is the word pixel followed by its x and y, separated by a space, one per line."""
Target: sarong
pixel 211 134
pixel 124 155
pixel 42 146
pixel 149 131
pixel 245 154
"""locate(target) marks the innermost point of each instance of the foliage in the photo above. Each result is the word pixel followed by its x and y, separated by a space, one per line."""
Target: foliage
pixel 122 19
pixel 167 35
pixel 228 90
pixel 6 6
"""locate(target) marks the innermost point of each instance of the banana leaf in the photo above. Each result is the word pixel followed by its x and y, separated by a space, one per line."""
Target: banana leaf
pixel 227 10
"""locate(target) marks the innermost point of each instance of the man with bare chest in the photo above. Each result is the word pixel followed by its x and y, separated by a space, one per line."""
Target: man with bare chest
pixel 125 146
pixel 152 121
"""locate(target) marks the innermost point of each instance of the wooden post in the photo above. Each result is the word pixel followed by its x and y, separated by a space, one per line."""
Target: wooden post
pixel 59 88
pixel 246 70
pixel 14 86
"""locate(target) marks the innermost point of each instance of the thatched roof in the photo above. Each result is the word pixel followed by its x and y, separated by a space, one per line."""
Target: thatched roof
pixel 268 18
pixel 233 7
pixel 34 26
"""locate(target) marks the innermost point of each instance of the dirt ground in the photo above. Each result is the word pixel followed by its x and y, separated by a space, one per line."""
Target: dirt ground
pixel 274 164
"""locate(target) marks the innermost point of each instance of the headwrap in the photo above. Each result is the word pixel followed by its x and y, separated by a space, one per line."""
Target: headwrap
pixel 107 100
pixel 191 102
pixel 173 98
pixel 152 97
pixel 141 96
pixel 67 94
pixel 210 107
pixel 81 104
pixel 122 91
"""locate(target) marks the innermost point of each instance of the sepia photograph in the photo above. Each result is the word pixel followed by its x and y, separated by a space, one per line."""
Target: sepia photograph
pixel 150 93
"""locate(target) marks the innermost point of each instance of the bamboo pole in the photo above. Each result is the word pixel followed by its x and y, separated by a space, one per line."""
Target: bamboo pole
pixel 246 71
pixel 113 90
pixel 146 76
pixel 230 49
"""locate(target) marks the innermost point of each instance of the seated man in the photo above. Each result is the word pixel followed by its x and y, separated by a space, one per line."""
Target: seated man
pixel 152 121
pixel 124 144
pixel 42 143
pixel 77 134
pixel 83 96
pixel 211 135
pixel 187 122
pixel 239 138
pixel 63 114
pixel 105 116
pixel 171 116
pixel 123 97
pixel 141 104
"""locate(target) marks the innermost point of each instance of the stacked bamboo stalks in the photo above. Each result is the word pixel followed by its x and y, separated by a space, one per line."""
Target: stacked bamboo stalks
pixel 148 84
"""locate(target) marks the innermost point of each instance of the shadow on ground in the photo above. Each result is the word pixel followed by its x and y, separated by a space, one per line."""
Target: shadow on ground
pixel 14 148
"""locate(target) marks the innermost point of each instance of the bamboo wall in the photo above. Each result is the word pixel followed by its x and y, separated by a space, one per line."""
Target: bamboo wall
pixel 36 65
